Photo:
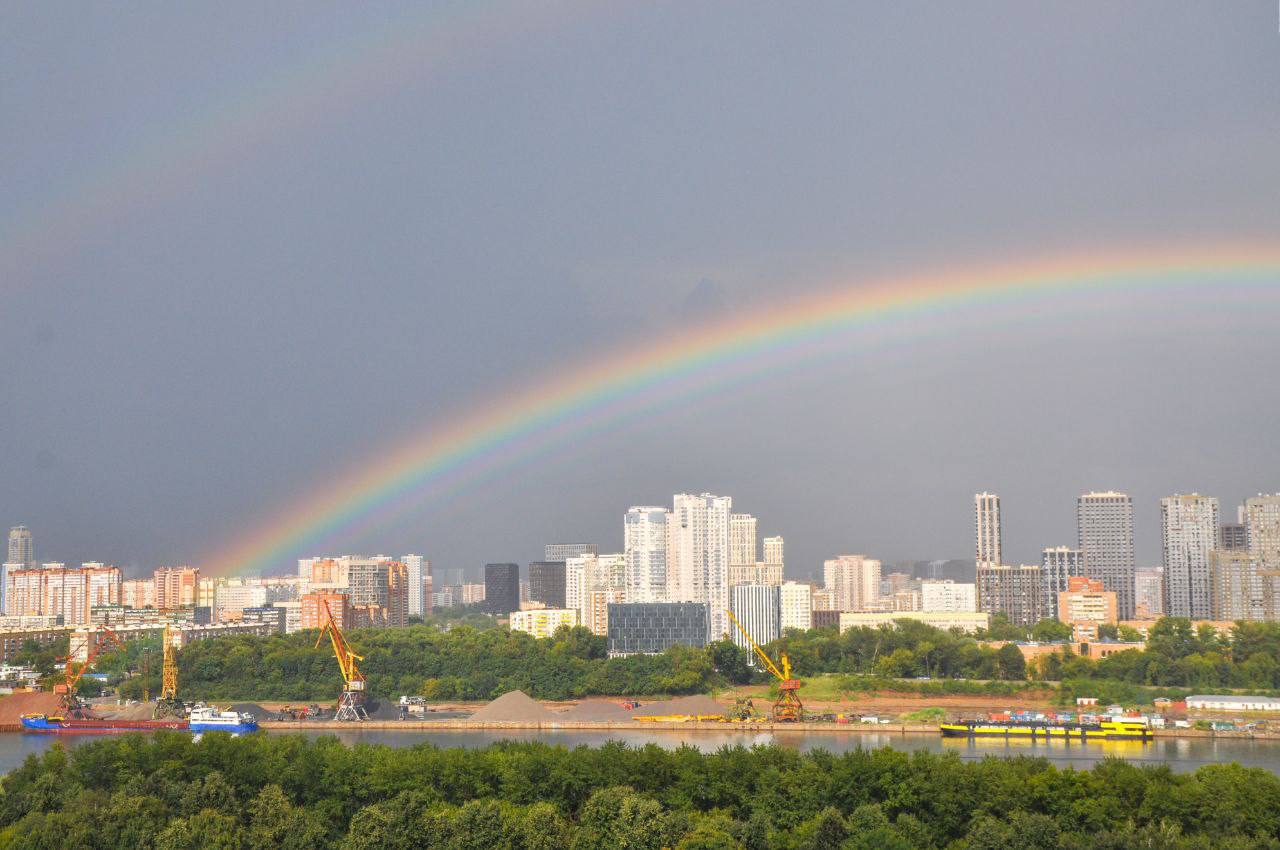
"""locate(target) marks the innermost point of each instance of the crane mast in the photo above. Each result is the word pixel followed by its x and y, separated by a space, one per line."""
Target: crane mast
pixel 788 708
pixel 168 703
pixel 351 703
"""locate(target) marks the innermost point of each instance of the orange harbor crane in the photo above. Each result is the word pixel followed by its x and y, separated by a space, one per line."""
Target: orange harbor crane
pixel 74 671
pixel 351 703
pixel 788 708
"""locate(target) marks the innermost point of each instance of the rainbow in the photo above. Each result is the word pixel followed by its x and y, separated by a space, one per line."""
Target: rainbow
pixel 492 438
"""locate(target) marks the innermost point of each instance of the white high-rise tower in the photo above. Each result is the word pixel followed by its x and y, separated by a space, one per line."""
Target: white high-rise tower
pixel 986 529
pixel 1188 533
pixel 644 533
pixel 698 555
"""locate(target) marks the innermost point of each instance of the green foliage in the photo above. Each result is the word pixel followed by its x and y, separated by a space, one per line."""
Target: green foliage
pixel 290 792
pixel 463 663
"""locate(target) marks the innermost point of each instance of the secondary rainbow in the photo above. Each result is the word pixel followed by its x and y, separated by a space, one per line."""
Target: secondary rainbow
pixel 491 438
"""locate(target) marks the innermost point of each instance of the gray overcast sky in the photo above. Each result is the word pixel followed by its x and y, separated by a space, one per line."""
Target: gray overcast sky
pixel 226 303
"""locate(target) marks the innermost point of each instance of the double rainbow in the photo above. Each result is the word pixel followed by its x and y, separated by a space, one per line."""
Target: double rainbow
pixel 492 438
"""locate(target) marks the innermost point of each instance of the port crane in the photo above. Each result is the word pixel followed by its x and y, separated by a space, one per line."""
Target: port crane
pixel 73 671
pixel 351 703
pixel 168 702
pixel 788 708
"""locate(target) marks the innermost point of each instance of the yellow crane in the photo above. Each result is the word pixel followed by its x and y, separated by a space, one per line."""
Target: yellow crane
pixel 351 703
pixel 788 708
pixel 168 702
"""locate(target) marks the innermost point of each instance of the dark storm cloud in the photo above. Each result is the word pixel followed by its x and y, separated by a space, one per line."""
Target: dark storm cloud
pixel 184 368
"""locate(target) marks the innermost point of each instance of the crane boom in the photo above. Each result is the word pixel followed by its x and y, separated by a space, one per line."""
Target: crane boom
pixel 768 662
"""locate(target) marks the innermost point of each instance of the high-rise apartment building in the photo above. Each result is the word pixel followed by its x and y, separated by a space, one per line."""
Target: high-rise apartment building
pixel 758 608
pixel 1149 593
pixel 1262 522
pixel 1104 536
pixel 645 543
pixel 22 547
pixel 419 578
pixel 947 596
pixel 501 588
pixel 176 587
pixel 56 590
pixel 1188 533
pixel 773 550
pixel 742 539
pixel 592 583
pixel 1237 586
pixel 986 529
pixel 1057 565
pixel 698 555
pixel 547 583
pixel 138 593
pixel 1015 591
pixel 565 551
pixel 853 580
pixel 316 609
pixel 796 601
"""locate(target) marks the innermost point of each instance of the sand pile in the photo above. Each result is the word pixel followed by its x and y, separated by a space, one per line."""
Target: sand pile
pixel 515 706
pixel 691 706
pixel 141 711
pixel 597 709
pixel 13 706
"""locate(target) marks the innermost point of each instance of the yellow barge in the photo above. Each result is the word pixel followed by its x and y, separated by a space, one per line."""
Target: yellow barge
pixel 1122 729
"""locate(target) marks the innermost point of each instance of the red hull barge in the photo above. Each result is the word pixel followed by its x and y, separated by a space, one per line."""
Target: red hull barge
pixel 94 725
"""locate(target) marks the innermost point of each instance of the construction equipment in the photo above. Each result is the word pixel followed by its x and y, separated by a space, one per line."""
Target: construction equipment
pixel 74 671
pixel 788 708
pixel 168 704
pixel 351 703
pixel 743 711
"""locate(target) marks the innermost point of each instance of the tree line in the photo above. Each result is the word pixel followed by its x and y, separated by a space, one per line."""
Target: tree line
pixel 167 792
pixel 473 659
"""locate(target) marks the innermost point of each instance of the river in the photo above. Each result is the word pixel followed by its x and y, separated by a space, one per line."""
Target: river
pixel 1181 754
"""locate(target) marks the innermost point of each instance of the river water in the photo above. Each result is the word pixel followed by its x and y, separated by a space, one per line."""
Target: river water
pixel 1182 754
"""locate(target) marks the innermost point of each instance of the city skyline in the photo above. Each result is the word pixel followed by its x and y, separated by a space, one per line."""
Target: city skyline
pixel 985 525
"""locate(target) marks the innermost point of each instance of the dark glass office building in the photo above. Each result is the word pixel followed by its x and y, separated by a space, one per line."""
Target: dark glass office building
pixel 501 588
pixel 546 583
pixel 651 627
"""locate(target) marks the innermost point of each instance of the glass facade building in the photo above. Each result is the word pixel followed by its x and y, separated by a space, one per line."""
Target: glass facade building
pixel 652 627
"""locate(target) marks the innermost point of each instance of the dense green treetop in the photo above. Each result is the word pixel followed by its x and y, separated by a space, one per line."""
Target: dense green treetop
pixel 288 793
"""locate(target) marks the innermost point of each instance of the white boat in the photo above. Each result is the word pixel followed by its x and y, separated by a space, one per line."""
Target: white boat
pixel 207 718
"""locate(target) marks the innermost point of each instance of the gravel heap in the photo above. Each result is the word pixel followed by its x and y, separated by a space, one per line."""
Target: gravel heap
pixel 597 709
pixel 515 706
pixel 692 706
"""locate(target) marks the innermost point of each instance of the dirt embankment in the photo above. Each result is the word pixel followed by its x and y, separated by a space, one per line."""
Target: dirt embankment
pixel 13 706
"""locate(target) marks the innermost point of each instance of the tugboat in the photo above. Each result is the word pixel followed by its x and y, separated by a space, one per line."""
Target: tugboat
pixel 207 718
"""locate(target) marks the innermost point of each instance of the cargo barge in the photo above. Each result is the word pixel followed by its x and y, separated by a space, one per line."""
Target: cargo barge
pixel 57 725
pixel 1115 729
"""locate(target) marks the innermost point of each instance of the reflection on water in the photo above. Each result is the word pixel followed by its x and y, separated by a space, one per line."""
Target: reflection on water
pixel 1180 753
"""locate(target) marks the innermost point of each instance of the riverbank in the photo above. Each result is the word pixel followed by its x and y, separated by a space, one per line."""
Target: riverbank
pixel 632 727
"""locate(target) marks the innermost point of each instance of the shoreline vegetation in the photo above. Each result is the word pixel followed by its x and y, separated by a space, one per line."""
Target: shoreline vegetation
pixel 168 792
pixel 472 658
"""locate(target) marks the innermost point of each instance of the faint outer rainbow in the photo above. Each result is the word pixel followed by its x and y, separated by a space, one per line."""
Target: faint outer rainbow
pixel 214 136
pixel 494 436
